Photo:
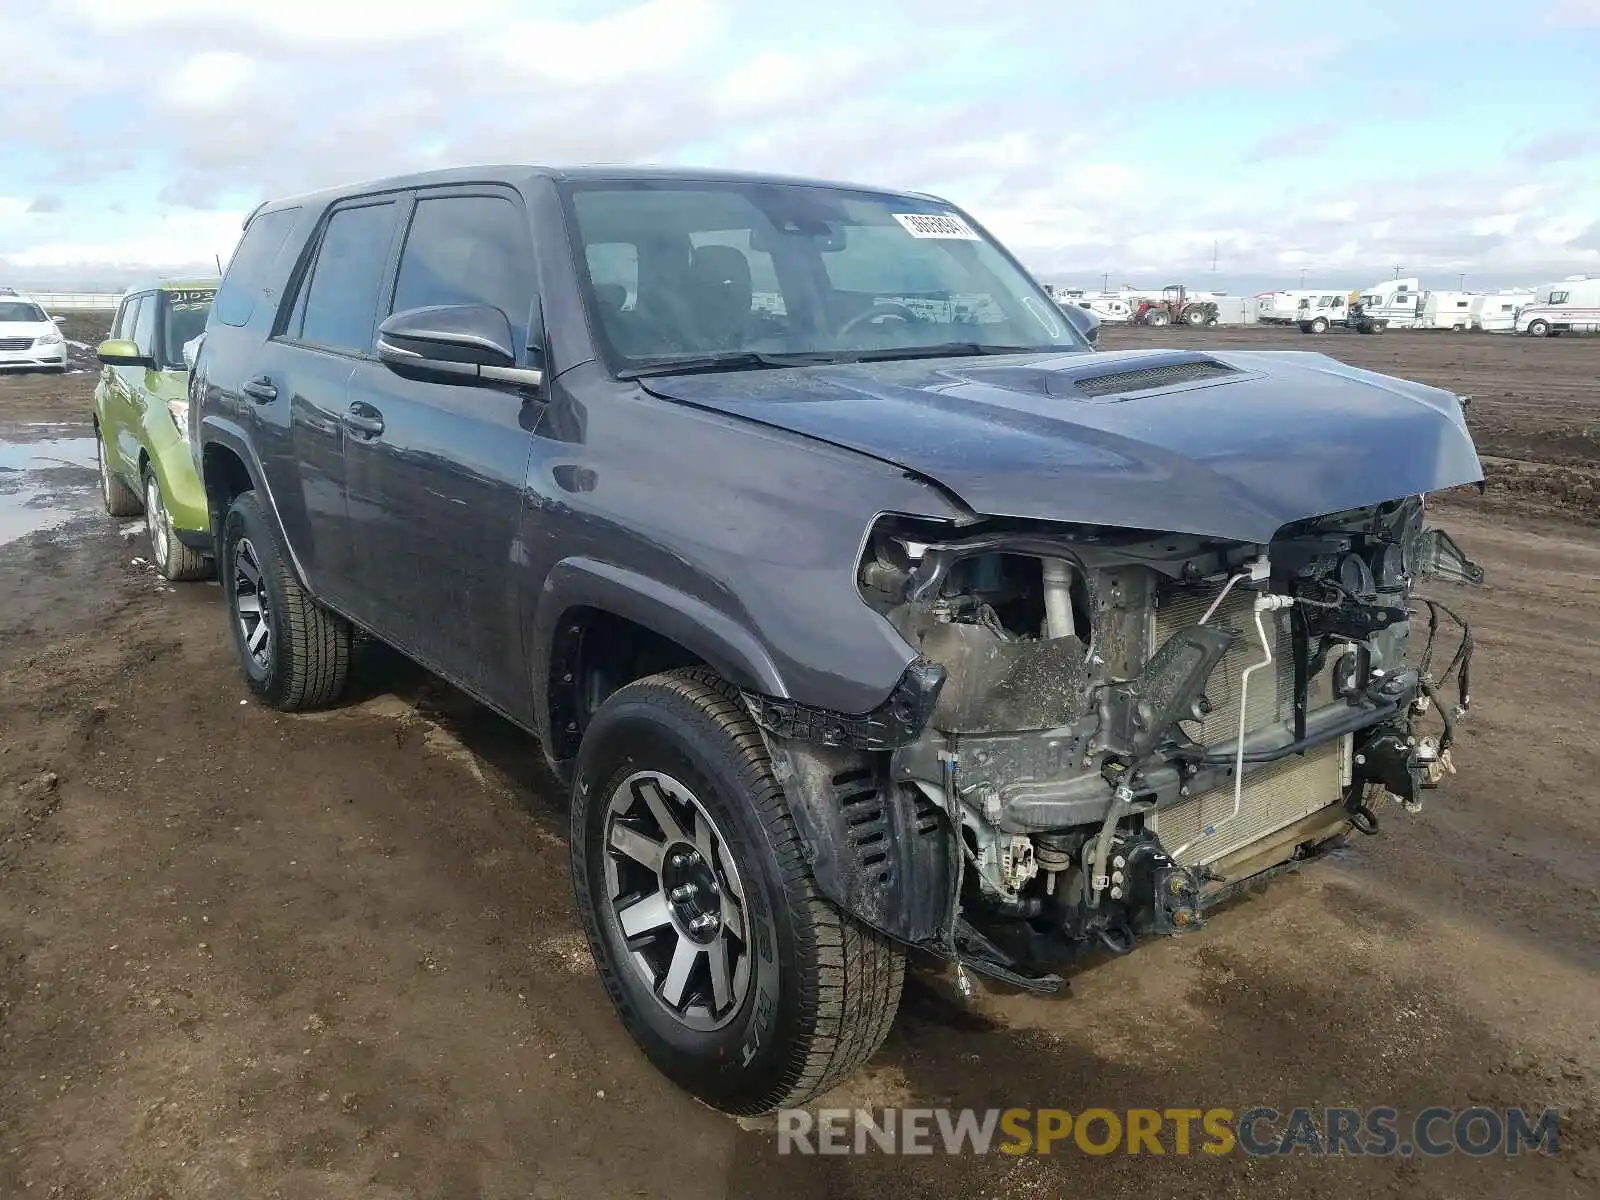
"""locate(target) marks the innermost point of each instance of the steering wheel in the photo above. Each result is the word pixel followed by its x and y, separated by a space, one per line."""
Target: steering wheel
pixel 878 312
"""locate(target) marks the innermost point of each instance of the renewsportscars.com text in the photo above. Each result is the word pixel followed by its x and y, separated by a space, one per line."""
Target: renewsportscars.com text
pixel 1259 1131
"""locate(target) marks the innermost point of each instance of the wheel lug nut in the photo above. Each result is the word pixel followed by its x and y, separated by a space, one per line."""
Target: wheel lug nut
pixel 683 891
pixel 703 922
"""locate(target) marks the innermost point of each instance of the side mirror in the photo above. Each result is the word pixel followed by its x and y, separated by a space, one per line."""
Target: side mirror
pixel 120 353
pixel 456 342
pixel 59 320
pixel 1085 321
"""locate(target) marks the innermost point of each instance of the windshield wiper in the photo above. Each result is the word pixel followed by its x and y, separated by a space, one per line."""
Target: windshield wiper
pixel 739 360
pixel 948 350
pixel 745 360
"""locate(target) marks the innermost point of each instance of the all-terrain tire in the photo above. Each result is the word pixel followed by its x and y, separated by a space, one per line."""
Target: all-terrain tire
pixel 823 988
pixel 172 558
pixel 306 658
pixel 119 499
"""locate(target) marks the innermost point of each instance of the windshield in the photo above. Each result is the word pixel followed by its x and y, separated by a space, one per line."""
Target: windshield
pixel 185 318
pixel 21 310
pixel 707 271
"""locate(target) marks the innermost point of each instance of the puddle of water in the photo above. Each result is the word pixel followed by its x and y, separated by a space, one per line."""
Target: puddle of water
pixel 47 454
pixel 27 503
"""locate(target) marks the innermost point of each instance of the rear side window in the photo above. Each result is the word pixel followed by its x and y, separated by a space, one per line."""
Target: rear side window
pixel 122 327
pixel 144 329
pixel 468 250
pixel 251 264
pixel 341 294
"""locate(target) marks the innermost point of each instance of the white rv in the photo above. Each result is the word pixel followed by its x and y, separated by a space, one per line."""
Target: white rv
pixel 1281 308
pixel 1571 306
pixel 1457 311
pixel 1111 309
pixel 1497 311
pixel 1397 303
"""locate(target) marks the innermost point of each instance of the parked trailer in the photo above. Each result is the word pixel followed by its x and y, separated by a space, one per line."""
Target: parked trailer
pixel 1456 311
pixel 1235 310
pixel 1112 310
pixel 1282 308
pixel 1571 306
pixel 1497 312
pixel 1393 304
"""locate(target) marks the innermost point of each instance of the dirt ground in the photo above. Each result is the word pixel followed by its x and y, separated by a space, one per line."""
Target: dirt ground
pixel 252 955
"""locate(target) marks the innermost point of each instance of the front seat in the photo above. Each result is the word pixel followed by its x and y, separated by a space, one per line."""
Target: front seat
pixel 720 279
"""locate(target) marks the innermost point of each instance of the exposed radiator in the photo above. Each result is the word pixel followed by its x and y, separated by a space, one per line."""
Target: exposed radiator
pixel 1274 796
pixel 1271 691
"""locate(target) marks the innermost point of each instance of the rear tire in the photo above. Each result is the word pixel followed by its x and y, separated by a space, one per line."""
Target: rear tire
pixel 119 499
pixel 295 654
pixel 172 558
pixel 672 772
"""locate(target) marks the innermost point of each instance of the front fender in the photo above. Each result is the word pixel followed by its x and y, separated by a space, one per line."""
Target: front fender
pixel 220 431
pixel 711 635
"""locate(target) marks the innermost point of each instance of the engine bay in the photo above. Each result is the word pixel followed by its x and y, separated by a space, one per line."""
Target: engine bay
pixel 1129 724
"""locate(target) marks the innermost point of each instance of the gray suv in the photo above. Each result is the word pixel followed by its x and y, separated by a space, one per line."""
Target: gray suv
pixel 861 605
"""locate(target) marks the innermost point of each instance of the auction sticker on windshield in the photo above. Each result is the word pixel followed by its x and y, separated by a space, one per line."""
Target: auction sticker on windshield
pixel 936 225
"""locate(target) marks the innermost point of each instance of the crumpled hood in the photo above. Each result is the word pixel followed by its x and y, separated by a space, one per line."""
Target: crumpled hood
pixel 1217 443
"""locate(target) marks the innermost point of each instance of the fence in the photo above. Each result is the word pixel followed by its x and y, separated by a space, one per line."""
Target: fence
pixel 60 302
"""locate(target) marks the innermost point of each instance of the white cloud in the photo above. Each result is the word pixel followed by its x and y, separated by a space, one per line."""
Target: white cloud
pixel 1048 122
pixel 177 239
pixel 1576 12
pixel 210 79
pixel 627 47
pixel 317 21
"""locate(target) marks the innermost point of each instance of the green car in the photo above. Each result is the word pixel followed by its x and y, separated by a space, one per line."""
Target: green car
pixel 141 418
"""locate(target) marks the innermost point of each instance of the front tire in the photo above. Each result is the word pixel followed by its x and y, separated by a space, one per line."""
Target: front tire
pixel 295 654
pixel 1539 329
pixel 736 978
pixel 172 558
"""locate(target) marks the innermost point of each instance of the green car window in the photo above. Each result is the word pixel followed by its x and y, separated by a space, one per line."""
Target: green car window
pixel 185 318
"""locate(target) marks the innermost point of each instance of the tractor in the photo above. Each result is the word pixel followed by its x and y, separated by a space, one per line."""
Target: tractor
pixel 1174 308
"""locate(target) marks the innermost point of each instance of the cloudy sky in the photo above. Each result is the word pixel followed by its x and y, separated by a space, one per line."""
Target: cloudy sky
pixel 1346 137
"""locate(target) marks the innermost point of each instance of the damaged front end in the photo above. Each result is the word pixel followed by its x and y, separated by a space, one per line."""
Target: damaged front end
pixel 1105 732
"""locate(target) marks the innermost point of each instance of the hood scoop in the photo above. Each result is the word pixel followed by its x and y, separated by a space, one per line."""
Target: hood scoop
pixel 1147 378
pixel 1106 378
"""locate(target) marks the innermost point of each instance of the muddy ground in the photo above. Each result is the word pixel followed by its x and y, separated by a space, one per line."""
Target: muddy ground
pixel 251 955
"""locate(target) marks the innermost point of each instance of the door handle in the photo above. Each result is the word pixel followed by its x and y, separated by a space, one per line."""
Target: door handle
pixel 364 419
pixel 260 389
